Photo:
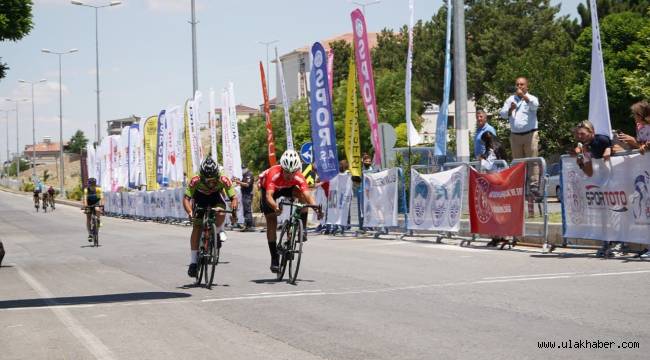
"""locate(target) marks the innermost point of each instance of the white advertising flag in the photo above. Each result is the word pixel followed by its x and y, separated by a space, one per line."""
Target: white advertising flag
pixel 598 103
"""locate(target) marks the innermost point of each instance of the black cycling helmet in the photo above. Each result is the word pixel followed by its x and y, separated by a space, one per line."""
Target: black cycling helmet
pixel 209 167
pixel 92 181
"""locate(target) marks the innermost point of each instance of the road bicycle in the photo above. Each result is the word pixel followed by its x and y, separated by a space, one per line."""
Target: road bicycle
pixel 94 222
pixel 292 238
pixel 45 202
pixel 209 245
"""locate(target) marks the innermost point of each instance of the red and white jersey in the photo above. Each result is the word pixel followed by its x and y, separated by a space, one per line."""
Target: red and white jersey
pixel 272 179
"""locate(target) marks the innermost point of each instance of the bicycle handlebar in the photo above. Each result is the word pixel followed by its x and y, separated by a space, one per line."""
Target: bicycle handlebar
pixel 218 210
pixel 318 208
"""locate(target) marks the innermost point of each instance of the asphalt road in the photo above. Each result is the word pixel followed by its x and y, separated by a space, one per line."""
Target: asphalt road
pixel 356 298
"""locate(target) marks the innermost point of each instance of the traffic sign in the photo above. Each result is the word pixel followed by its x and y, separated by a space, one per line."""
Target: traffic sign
pixel 305 153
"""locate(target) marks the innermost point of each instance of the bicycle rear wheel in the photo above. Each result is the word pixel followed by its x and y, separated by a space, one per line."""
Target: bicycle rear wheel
pixel 95 230
pixel 213 251
pixel 283 242
pixel 296 251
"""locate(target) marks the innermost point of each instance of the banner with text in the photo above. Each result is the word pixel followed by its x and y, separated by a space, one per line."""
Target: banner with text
pixel 323 135
pixel 366 79
pixel 613 204
pixel 496 201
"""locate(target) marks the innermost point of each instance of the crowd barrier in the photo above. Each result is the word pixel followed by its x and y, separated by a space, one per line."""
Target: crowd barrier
pixel 13 184
pixel 612 205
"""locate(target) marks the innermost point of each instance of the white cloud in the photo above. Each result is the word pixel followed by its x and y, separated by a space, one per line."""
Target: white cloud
pixel 44 93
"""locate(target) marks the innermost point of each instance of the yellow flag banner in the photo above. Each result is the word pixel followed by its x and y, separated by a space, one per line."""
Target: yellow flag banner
pixel 352 145
pixel 189 170
pixel 150 147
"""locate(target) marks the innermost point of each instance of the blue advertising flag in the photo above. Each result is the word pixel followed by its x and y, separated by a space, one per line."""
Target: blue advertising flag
pixel 322 123
pixel 441 124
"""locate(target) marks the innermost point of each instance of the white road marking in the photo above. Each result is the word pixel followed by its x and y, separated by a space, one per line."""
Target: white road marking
pixel 284 292
pixel 90 341
pixel 528 275
pixel 334 292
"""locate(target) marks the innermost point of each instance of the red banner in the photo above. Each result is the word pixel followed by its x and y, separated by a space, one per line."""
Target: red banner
pixel 496 201
pixel 267 114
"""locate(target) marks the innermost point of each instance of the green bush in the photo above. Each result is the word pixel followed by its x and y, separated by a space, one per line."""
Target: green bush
pixel 76 193
pixel 27 187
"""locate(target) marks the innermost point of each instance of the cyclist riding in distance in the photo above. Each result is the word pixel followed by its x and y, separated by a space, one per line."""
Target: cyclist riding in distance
pixel 92 196
pixel 38 189
pixel 285 180
pixel 203 191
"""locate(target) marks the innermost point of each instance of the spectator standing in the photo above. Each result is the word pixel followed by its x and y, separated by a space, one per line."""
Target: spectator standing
pixel 482 126
pixel 520 109
pixel 246 184
pixel 641 113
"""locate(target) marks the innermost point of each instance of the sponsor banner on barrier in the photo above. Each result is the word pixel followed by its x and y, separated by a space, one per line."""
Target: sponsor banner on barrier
pixel 496 201
pixel 380 198
pixel 339 199
pixel 436 200
pixel 323 136
pixel 613 204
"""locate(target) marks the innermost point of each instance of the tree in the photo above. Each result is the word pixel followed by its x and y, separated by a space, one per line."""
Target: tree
pixel 622 47
pixel 78 142
pixel 24 165
pixel 606 7
pixel 15 23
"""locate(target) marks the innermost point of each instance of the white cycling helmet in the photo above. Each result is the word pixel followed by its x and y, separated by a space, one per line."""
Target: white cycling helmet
pixel 290 161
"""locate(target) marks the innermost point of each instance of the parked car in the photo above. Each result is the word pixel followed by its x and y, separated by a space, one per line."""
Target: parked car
pixel 554 188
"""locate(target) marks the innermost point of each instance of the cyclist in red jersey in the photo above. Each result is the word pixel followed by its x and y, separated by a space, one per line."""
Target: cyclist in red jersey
pixel 282 180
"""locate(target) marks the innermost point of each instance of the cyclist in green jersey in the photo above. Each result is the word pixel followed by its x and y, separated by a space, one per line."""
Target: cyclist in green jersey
pixel 206 190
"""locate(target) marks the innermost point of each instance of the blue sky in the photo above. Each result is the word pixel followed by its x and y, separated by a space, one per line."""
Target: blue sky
pixel 145 54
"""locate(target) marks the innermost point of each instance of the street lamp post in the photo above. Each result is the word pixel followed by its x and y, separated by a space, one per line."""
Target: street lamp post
pixel 112 3
pixel 61 166
pixel 195 71
pixel 366 3
pixel 267 44
pixel 17 132
pixel 7 120
pixel 32 83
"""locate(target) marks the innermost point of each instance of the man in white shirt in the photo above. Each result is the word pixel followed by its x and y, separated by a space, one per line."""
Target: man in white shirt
pixel 521 111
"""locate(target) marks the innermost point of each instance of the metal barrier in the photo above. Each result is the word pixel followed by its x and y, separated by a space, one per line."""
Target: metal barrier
pixel 540 198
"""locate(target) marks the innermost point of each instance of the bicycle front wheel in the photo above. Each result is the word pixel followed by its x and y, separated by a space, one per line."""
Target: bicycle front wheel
pixel 283 244
pixel 214 250
pixel 295 251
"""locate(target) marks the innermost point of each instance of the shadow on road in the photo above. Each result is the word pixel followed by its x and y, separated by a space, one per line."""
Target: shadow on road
pixel 91 299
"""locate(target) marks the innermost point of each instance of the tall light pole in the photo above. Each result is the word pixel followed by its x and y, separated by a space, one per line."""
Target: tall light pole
pixel 32 83
pixel 267 44
pixel 112 3
pixel 460 83
pixel 195 71
pixel 364 4
pixel 17 132
pixel 7 120
pixel 62 171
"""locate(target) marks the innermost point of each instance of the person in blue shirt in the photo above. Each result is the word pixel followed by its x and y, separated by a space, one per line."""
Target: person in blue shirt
pixel 481 127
